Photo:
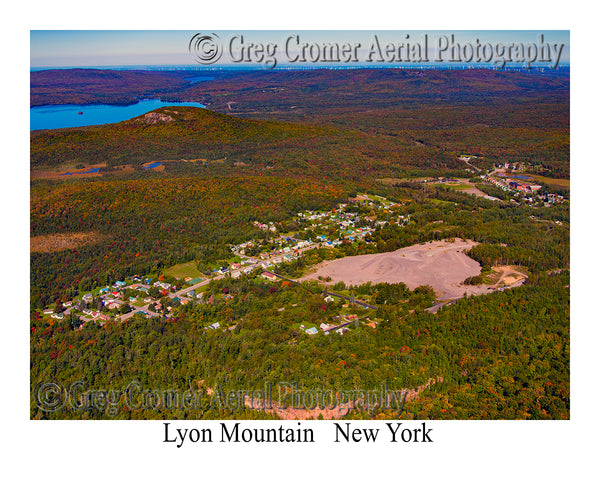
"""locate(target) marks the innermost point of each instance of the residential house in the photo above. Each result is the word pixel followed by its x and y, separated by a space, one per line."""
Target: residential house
pixel 87 298
pixel 269 276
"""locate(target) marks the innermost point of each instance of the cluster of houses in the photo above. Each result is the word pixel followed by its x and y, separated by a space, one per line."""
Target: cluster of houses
pixel 346 222
pixel 283 245
pixel 112 297
pixel 265 226
pixel 83 306
pixel 341 328
pixel 494 181
pixel 510 184
pixel 521 187
pixel 237 269
pixel 527 190
pixel 551 199
pixel 326 328
pixel 284 249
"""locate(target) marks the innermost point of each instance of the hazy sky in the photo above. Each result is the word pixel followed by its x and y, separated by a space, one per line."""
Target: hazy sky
pixel 139 47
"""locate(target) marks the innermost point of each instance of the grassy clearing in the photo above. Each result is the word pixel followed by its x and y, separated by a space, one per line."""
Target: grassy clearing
pixel 492 278
pixel 436 201
pixel 201 289
pixel 393 181
pixel 553 182
pixel 458 186
pixel 64 241
pixel 184 270
pixel 139 302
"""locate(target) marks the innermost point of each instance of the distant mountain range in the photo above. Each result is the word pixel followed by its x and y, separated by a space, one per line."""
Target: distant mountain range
pixel 359 122
pixel 261 91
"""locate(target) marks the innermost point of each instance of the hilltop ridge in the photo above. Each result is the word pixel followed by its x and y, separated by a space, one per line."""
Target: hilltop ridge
pixel 164 134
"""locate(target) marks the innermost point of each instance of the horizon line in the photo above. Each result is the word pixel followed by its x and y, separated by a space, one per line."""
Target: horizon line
pixel 363 65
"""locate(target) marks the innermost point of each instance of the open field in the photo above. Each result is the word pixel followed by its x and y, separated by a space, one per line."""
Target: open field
pixel 525 177
pixel 442 264
pixel 553 182
pixel 458 186
pixel 67 171
pixel 63 241
pixel 462 185
pixel 396 181
pixel 465 186
pixel 183 270
pixel 70 170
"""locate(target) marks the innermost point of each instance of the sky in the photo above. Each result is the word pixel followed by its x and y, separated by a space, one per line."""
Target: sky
pixel 84 48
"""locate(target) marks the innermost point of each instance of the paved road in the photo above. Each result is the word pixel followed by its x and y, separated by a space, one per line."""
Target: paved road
pixel 261 264
pixel 186 290
pixel 358 302
pixel 472 166
pixel 143 310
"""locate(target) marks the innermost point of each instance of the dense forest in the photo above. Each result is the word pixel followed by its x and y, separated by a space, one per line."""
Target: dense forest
pixel 82 86
pixel 308 92
pixel 500 356
pixel 257 159
pixel 146 224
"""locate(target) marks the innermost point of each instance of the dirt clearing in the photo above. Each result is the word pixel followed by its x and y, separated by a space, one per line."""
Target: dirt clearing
pixel 441 264
pixel 63 241
pixel 510 276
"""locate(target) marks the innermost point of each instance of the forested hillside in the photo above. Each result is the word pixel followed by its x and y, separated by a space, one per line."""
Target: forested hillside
pixel 499 356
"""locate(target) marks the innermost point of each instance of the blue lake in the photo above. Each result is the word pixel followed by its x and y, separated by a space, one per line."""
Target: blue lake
pixel 63 116
pixel 200 79
pixel 152 165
